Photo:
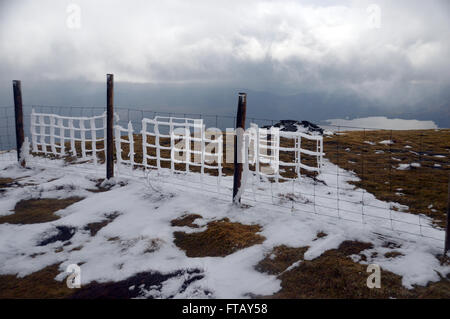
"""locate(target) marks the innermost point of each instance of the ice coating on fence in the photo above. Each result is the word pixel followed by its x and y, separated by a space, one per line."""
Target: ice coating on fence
pixel 119 140
pixel 180 142
pixel 48 134
pixel 264 141
pixel 184 135
pixel 25 150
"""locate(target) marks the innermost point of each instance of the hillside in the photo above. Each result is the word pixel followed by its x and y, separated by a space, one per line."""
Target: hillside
pixel 169 238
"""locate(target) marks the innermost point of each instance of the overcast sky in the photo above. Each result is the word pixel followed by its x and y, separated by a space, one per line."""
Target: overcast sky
pixel 392 52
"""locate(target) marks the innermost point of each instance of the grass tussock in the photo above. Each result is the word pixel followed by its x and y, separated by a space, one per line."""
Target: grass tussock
pixel 280 259
pixel 186 220
pixel 94 228
pixel 6 182
pixel 33 211
pixel 220 239
pixel 350 247
pixel 393 254
pixel 321 234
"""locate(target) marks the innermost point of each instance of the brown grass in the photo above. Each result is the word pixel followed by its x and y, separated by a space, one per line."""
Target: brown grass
pixel 186 220
pixel 393 254
pixel 6 182
pixel 40 284
pixel 335 275
pixel 95 227
pixel 418 187
pixel 321 234
pixel 280 259
pixel 221 238
pixel 349 247
pixel 32 211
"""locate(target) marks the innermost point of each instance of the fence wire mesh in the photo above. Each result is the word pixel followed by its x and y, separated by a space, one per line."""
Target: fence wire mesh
pixel 395 180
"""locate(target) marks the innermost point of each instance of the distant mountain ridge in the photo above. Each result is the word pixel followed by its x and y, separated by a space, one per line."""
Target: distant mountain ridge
pixel 207 99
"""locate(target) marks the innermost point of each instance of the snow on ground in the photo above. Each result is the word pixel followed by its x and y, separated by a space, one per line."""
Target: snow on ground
pixel 146 210
pixel 404 167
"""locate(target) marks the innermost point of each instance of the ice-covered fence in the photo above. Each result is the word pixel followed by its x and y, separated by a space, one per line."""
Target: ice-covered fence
pixel 119 141
pixel 180 135
pixel 318 153
pixel 265 147
pixel 50 132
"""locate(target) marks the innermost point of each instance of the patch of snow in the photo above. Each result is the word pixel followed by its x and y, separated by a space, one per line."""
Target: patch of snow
pixel 294 265
pixel 403 167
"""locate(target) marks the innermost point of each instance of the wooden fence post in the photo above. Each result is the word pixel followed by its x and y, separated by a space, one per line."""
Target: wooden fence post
pixel 18 113
pixel 109 126
pixel 447 229
pixel 238 144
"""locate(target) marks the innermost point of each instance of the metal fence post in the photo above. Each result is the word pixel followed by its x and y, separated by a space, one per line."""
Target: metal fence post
pixel 238 144
pixel 18 113
pixel 447 229
pixel 109 126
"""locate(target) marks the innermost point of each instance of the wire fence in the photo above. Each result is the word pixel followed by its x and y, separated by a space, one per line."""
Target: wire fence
pixel 390 179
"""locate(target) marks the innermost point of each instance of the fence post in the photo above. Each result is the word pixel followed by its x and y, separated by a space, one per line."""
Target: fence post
pixel 447 230
pixel 18 113
pixel 238 144
pixel 109 126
